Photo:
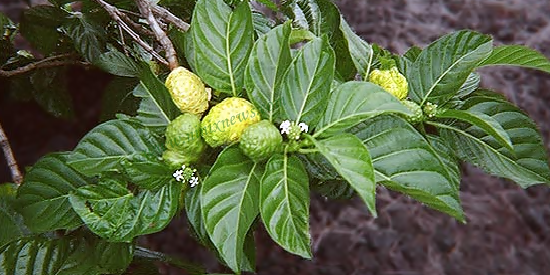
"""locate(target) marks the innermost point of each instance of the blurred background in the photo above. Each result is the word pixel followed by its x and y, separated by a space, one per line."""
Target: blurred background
pixel 508 229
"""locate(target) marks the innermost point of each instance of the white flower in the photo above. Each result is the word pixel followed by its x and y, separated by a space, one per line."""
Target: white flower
pixel 303 127
pixel 194 181
pixel 285 127
pixel 178 175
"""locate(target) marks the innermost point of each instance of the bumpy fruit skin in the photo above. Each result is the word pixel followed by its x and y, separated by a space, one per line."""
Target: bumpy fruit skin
pixel 261 140
pixel 226 121
pixel 188 91
pixel 183 136
pixel 392 81
pixel 175 160
pixel 416 110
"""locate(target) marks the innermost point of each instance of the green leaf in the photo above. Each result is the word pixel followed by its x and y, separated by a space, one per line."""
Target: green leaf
pixel 70 255
pixel 12 222
pixel 319 167
pixel 118 98
pixel 143 254
pixel 114 213
pixel 117 63
pixel 353 102
pixel 481 120
pixel 517 55
pixel 268 62
pixel 269 4
pixel 361 52
pixel 262 24
pixel 147 171
pixel 284 204
pixel 349 156
pixel 404 161
pixel 334 189
pixel 88 37
pixel 194 216
pixel 222 41
pixel 39 26
pixel 157 108
pixel 527 164
pixel 50 92
pixel 471 84
pixel 442 68
pixel 229 201
pixel 42 198
pixel 306 86
pixel 103 148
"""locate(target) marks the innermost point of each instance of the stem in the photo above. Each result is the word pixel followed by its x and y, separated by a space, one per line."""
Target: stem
pixel 191 268
pixel 170 53
pixel 52 61
pixel 10 159
pixel 168 16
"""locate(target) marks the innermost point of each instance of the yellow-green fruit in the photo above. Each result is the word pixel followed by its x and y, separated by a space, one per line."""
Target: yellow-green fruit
pixel 261 140
pixel 188 91
pixel 226 121
pixel 183 136
pixel 175 160
pixel 392 81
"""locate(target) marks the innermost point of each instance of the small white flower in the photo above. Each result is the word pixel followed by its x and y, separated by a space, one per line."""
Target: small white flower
pixel 194 181
pixel 178 175
pixel 303 127
pixel 285 127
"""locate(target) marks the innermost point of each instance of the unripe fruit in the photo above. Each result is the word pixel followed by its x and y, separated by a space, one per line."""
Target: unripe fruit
pixel 183 136
pixel 392 81
pixel 226 121
pixel 261 140
pixel 416 110
pixel 188 91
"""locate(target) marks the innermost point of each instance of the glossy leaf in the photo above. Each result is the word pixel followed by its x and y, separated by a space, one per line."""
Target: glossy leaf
pixel 361 52
pixel 70 255
pixel 471 84
pixel 12 222
pixel 222 41
pixel 404 161
pixel 229 201
pixel 353 102
pixel 147 171
pixel 88 37
pixel 307 83
pixel 442 68
pixel 42 198
pixel 517 55
pixel 284 204
pixel 527 164
pixel 103 148
pixel 157 108
pixel 116 214
pixel 268 62
pixel 349 156
pixel 117 63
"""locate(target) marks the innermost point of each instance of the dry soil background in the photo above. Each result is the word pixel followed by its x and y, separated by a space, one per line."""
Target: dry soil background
pixel 508 228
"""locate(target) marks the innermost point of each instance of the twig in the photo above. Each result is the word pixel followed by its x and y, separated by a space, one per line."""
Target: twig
pixel 170 53
pixel 116 15
pixel 168 16
pixel 52 61
pixel 138 27
pixel 8 154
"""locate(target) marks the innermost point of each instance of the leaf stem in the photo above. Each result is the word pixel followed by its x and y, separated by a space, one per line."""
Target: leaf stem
pixel 52 61
pixel 10 159
pixel 191 268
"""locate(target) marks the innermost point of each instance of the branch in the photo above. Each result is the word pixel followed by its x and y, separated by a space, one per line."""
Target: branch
pixel 8 154
pixel 52 61
pixel 116 15
pixel 170 53
pixel 168 16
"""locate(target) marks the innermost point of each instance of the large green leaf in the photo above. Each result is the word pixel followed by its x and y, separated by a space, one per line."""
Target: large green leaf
pixel 117 98
pixel 442 68
pixel 39 25
pixel 222 41
pixel 361 52
pixel 471 84
pixel 284 204
pixel 527 164
pixel 268 62
pixel 322 17
pixel 349 156
pixel 88 37
pixel 116 214
pixel 12 222
pixel 103 148
pixel 229 201
pixel 194 216
pixel 117 63
pixel 517 55
pixel 405 161
pixel 481 120
pixel 353 102
pixel 157 108
pixel 70 255
pixel 42 198
pixel 50 92
pixel 147 171
pixel 306 85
